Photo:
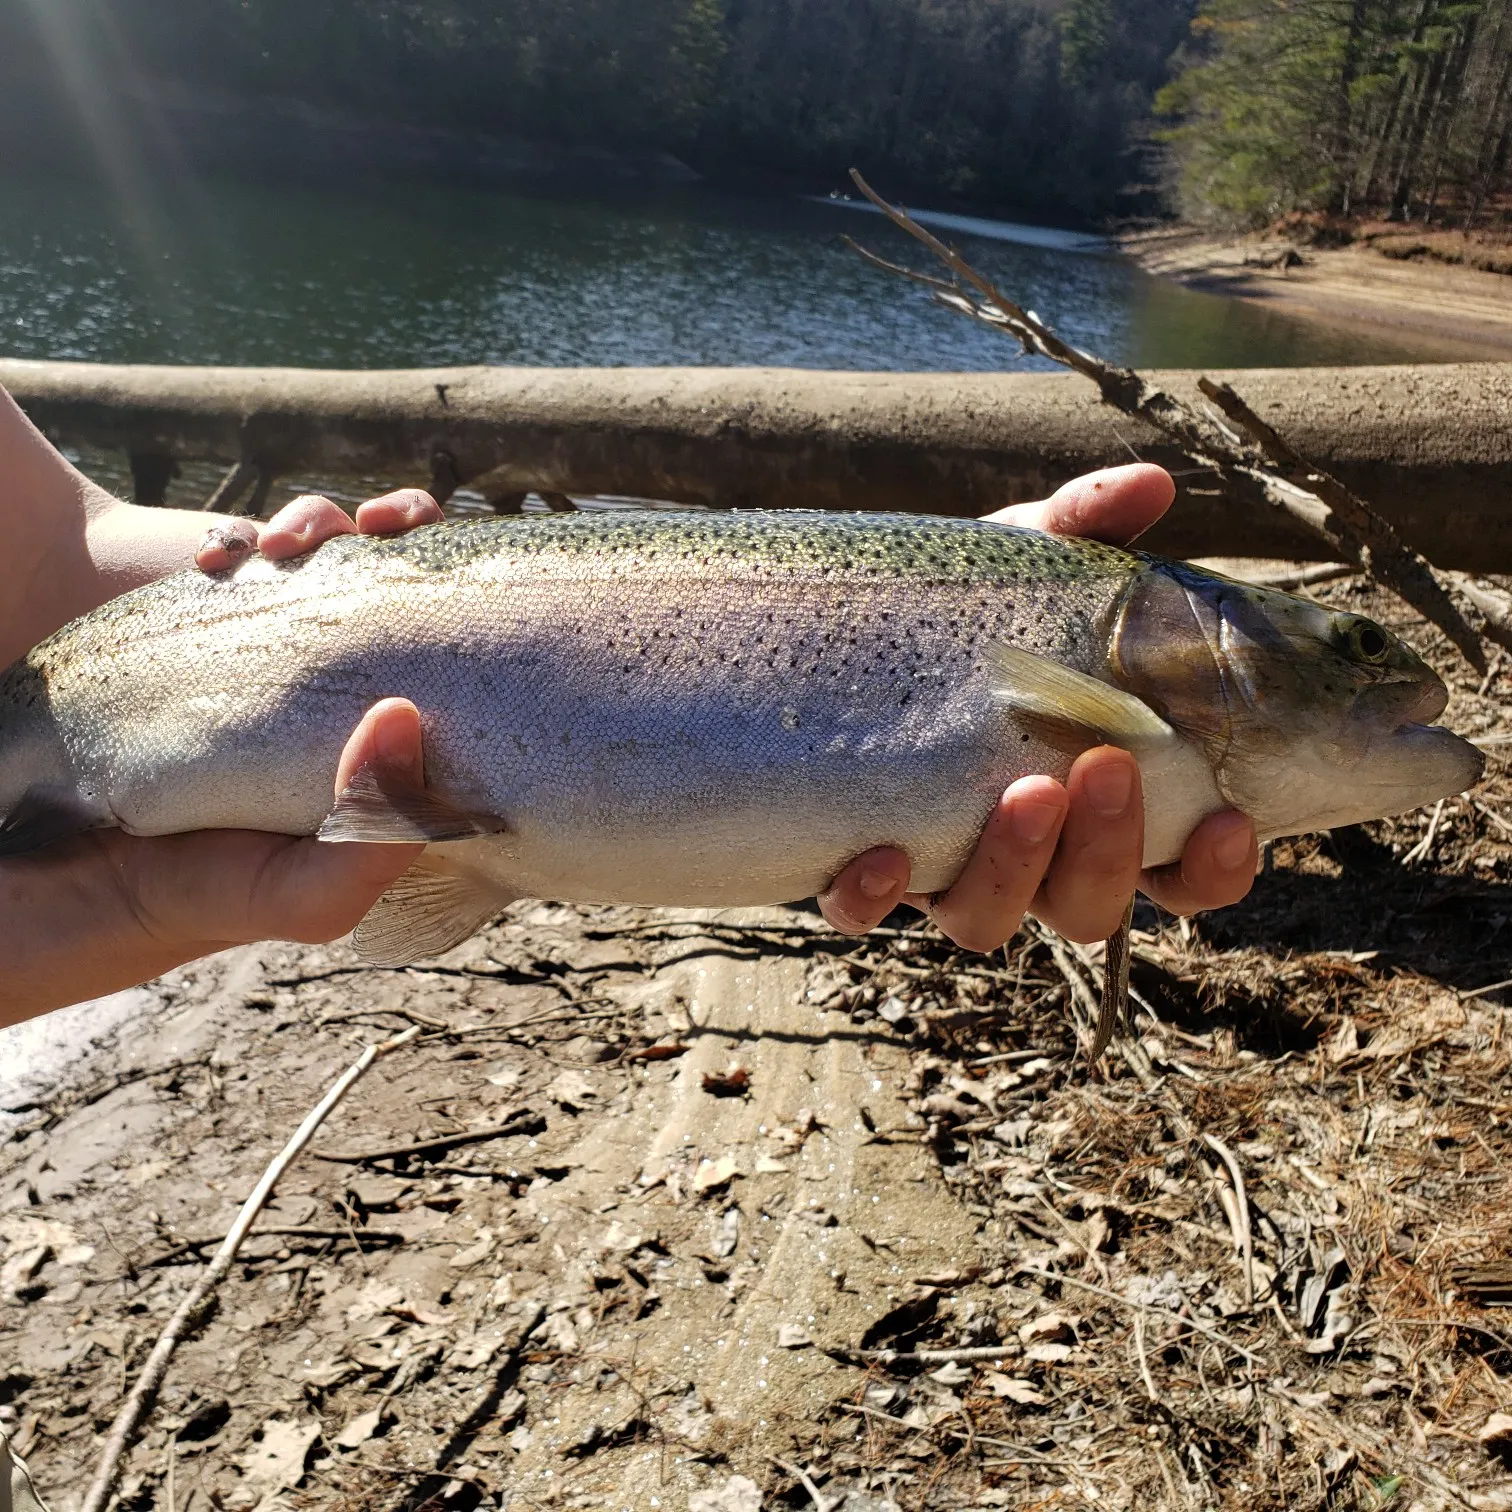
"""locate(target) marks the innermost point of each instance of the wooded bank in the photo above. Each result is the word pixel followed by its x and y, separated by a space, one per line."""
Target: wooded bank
pixel 1429 445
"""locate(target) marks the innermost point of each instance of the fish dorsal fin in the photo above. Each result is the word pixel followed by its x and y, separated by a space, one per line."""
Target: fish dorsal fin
pixel 381 811
pixel 1067 706
pixel 41 817
pixel 425 913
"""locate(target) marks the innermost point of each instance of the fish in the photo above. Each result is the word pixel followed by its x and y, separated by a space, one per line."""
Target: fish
pixel 704 707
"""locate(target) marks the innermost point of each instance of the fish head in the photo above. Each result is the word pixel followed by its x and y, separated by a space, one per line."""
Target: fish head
pixel 1310 717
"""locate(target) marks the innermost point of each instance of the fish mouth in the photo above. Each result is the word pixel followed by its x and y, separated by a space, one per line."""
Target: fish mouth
pixel 1401 706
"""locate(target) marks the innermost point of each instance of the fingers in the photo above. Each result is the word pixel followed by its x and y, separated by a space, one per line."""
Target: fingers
pixel 302 525
pixel 308 521
pixel 388 739
pixel 866 891
pixel 984 905
pixel 226 545
pixel 396 512
pixel 1113 505
pixel 1216 868
pixel 1096 866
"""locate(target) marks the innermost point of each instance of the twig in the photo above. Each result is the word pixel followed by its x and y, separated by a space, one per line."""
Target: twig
pixel 1263 470
pixel 924 1356
pixel 518 1122
pixel 1465 997
pixel 292 1231
pixel 145 1391
pixel 1424 848
pixel 1495 606
pixel 1240 1217
pixel 822 1503
pixel 1364 535
pixel 1144 1364
pixel 1115 985
pixel 1301 577
pixel 1159 1312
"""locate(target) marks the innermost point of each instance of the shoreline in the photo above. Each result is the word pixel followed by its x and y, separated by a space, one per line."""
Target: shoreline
pixel 1456 313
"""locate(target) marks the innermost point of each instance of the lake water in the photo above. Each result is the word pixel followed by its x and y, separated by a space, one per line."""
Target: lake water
pixel 410 275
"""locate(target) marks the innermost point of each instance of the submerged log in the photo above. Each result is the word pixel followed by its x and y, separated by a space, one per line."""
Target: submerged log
pixel 1430 446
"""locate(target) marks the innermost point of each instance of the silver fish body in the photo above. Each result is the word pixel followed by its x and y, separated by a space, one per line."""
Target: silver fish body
pixel 708 708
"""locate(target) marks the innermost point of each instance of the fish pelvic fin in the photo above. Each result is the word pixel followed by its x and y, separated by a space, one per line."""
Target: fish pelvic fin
pixel 1070 710
pixel 425 913
pixel 377 810
pixel 42 816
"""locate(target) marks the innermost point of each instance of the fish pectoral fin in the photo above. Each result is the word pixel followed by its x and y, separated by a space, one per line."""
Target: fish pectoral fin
pixel 41 817
pixel 1068 709
pixel 378 810
pixel 425 913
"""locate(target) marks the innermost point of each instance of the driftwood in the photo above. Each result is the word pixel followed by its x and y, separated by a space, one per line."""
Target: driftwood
pixel 1429 445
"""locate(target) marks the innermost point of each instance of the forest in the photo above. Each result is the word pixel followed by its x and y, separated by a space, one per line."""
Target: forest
pixel 1079 110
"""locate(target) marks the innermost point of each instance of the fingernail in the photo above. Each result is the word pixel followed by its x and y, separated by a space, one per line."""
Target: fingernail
pixel 1109 789
pixel 1231 850
pixel 226 538
pixel 875 883
pixel 393 745
pixel 1031 822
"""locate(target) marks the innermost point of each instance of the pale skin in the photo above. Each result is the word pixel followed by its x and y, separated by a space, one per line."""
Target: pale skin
pixel 108 910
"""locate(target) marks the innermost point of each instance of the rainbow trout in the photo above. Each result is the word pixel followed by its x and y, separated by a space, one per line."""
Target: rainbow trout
pixel 704 708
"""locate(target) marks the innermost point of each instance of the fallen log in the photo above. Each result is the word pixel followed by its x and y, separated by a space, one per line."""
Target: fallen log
pixel 1429 444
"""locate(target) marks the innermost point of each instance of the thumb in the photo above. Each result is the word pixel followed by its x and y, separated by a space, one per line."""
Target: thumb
pixel 313 891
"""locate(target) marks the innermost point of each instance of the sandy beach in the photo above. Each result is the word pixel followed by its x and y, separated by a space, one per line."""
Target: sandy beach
pixel 1455 312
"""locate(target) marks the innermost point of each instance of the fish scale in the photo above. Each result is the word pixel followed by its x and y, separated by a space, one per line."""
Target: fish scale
pixel 679 708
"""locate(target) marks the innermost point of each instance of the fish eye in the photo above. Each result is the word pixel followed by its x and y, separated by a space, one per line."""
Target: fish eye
pixel 1367 640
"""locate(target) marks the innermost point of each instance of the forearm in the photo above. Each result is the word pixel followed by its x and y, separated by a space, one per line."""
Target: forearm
pixel 70 545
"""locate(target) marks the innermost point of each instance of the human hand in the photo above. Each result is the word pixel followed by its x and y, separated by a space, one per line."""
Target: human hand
pixel 304 523
pixel 108 910
pixel 1067 852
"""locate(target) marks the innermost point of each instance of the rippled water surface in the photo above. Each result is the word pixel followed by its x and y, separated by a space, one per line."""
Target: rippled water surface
pixel 407 276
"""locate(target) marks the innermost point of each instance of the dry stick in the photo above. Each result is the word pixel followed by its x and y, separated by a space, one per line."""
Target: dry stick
pixel 1350 521
pixel 1240 1217
pixel 1321 504
pixel 290 1231
pixel 1144 1364
pixel 802 1476
pixel 925 1356
pixel 145 1391
pixel 514 1124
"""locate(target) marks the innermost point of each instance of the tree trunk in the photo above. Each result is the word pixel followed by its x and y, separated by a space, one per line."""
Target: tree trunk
pixel 1428 445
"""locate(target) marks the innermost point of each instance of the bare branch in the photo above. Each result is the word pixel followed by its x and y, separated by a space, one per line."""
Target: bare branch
pixel 1262 469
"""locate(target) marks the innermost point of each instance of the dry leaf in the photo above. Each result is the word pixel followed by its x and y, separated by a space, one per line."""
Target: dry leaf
pixel 1048 1354
pixel 276 1462
pixel 713 1174
pixel 360 1429
pixel 1011 1389
pixel 733 1081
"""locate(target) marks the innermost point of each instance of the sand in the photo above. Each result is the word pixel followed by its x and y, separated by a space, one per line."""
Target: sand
pixel 1456 313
